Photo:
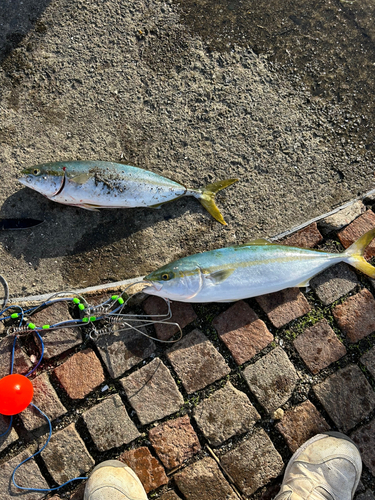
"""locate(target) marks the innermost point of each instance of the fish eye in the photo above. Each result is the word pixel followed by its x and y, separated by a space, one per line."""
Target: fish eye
pixel 36 171
pixel 167 276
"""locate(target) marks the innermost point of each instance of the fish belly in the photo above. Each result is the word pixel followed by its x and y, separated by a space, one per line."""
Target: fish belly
pixel 119 192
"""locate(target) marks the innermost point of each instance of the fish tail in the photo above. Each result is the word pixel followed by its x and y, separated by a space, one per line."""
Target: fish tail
pixel 354 254
pixel 206 196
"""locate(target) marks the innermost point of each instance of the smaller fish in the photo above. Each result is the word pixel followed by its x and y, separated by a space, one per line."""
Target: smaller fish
pixel 249 270
pixel 100 184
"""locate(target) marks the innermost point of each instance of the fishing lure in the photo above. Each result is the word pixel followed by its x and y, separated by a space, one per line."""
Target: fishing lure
pixel 249 270
pixel 99 184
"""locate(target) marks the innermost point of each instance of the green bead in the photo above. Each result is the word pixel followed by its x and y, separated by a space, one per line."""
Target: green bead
pixel 14 315
pixel 76 301
pixel 120 301
pixel 81 307
pixel 92 318
pixel 85 320
pixel 114 297
pixel 45 327
pixel 31 326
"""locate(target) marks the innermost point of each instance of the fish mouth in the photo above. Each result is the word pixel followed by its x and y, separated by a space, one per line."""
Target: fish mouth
pixel 154 285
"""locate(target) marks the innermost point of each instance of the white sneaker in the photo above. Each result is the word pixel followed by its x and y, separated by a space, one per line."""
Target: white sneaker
pixel 113 480
pixel 326 467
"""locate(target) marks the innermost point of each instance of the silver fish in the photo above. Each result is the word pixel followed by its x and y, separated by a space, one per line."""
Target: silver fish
pixel 249 270
pixel 99 184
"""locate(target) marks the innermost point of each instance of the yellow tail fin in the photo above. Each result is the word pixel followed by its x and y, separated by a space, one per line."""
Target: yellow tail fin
pixel 206 196
pixel 355 254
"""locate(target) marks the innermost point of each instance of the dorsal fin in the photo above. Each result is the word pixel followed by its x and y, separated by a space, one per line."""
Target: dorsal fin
pixel 259 241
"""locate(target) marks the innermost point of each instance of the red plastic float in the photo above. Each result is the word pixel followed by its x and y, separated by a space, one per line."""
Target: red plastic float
pixel 16 393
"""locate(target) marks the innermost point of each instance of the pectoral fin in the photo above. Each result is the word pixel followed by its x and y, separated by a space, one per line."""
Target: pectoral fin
pixel 81 178
pixel 260 241
pixel 219 276
pixel 305 283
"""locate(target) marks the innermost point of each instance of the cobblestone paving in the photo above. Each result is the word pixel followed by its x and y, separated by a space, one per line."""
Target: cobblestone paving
pixel 217 414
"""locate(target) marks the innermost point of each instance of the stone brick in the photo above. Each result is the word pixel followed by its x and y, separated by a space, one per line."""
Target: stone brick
pixel 364 437
pixel 47 400
pixel 253 463
pixel 271 379
pixel 368 360
pixel 356 316
pixel 284 306
pixel 109 424
pixel 307 237
pixel 341 218
pixel 197 362
pixel 224 414
pixel 79 492
pixel 204 480
pixel 346 396
pixel 80 374
pixel 334 282
pixel 122 350
pixel 182 313
pixel 300 424
pixel 66 456
pixel 56 341
pixel 149 470
pixel 8 438
pixel 357 228
pixel 170 495
pixel 367 495
pixel 318 346
pixel 22 363
pixel 28 475
pixel 152 392
pixel 242 331
pixel 174 441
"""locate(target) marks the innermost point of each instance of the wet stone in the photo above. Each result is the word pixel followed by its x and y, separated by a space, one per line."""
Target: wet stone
pixel 300 424
pixel 109 424
pixel 364 438
pixel 357 228
pixel 197 362
pixel 368 360
pixel 341 218
pixel 149 470
pixel 272 379
pixel 22 363
pixel 8 438
pixel 319 346
pixel 204 480
pixel 346 396
pixel 28 475
pixel 242 331
pixel 182 313
pixel 308 237
pixel 46 399
pixel 334 283
pixel 152 392
pixel 56 341
pixel 80 374
pixel 253 463
pixel 224 414
pixel 170 495
pixel 66 456
pixel 122 350
pixel 356 316
pixel 284 306
pixel 174 441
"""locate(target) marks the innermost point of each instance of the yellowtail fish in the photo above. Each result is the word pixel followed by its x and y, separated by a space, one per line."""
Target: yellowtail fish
pixel 249 270
pixel 100 184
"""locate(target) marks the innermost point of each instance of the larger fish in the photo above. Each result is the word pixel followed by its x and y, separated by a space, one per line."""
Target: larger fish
pixel 249 270
pixel 100 184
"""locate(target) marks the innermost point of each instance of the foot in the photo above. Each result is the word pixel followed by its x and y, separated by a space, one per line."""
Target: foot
pixel 113 480
pixel 326 467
